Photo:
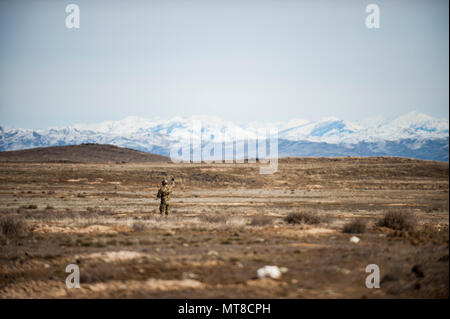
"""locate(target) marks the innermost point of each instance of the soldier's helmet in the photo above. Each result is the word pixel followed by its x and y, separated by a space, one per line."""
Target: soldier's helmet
pixel 164 182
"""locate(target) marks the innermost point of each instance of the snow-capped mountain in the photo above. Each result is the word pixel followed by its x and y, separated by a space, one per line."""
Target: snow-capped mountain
pixel 413 125
pixel 411 135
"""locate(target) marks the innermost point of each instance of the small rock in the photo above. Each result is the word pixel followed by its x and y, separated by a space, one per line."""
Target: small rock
pixel 189 275
pixel 345 271
pixel 269 271
pixel 212 253
pixel 354 240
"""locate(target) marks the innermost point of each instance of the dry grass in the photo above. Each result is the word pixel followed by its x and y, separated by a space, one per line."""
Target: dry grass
pixel 430 233
pixel 214 218
pixel 139 226
pixel 261 221
pixel 29 206
pixel 303 218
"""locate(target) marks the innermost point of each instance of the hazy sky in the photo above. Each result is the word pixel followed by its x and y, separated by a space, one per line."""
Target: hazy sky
pixel 241 60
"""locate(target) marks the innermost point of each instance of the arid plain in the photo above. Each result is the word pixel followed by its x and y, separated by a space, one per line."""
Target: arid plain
pixel 227 221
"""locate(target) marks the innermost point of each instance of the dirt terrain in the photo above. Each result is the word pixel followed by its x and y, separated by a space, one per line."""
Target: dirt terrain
pixel 227 222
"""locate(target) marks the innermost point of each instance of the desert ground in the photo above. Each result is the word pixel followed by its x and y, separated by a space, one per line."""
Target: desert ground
pixel 227 221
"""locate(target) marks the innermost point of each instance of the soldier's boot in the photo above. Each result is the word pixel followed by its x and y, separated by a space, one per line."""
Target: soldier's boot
pixel 167 209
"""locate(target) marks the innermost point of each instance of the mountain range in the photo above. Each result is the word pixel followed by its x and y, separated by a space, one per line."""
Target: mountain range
pixel 413 135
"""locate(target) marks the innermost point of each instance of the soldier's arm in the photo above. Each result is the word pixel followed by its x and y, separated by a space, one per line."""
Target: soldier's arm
pixel 159 193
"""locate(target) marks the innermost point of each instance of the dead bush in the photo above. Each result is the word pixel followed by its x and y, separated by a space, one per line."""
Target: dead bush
pixel 398 220
pixel 303 218
pixel 261 221
pixel 139 226
pixel 355 227
pixel 214 218
pixel 11 226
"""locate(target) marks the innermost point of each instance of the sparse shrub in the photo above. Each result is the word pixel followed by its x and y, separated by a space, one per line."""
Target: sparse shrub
pixel 398 220
pixel 355 227
pixel 429 233
pixel 29 206
pixel 10 226
pixel 302 218
pixel 214 218
pixel 87 243
pixel 100 243
pixel 261 221
pixel 139 226
pixel 49 207
pixel 389 277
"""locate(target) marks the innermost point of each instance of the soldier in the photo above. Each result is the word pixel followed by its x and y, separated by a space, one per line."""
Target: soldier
pixel 164 193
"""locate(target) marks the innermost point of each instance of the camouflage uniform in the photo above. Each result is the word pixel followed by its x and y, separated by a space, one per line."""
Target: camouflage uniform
pixel 164 193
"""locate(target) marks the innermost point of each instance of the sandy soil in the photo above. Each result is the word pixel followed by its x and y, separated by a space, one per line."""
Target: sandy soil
pixel 227 222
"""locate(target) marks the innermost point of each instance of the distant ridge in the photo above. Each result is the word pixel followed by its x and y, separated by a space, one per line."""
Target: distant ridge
pixel 413 135
pixel 84 153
